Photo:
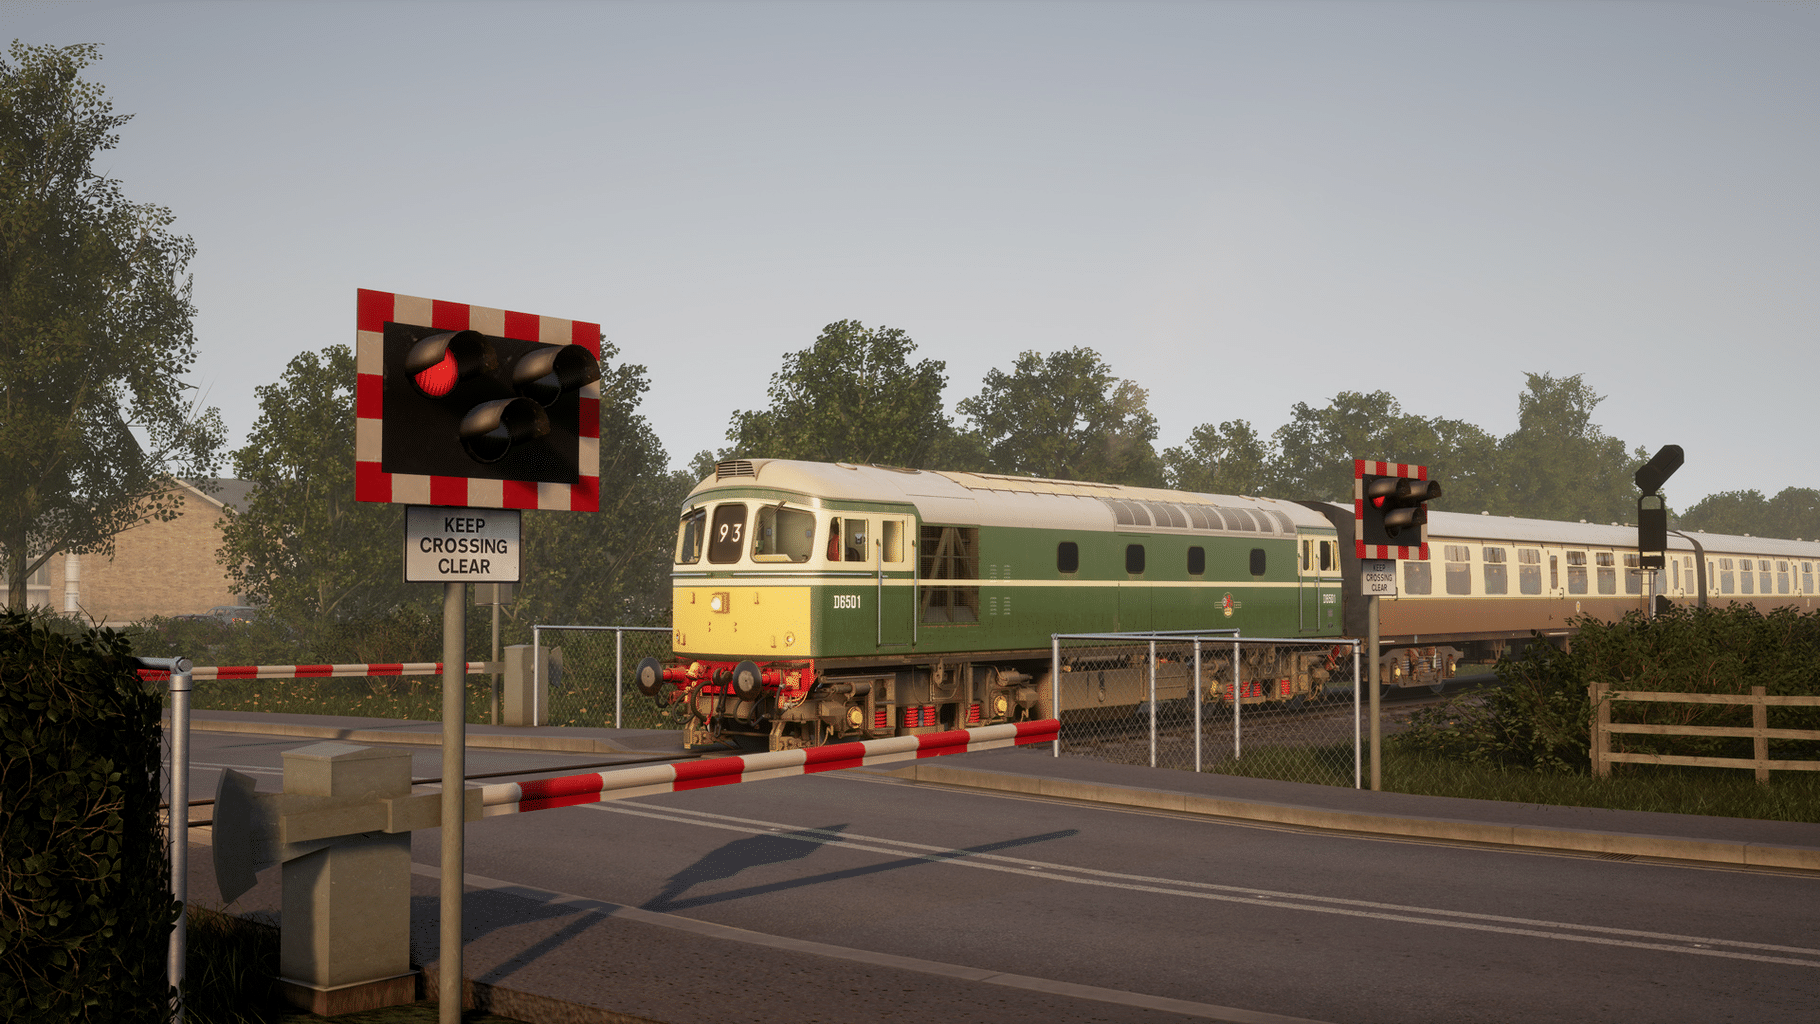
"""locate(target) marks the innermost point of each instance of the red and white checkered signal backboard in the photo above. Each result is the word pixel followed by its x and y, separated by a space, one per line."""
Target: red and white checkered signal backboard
pixel 1362 468
pixel 373 483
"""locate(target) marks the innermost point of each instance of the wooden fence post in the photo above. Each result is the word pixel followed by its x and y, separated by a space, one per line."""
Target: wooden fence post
pixel 1759 727
pixel 1601 733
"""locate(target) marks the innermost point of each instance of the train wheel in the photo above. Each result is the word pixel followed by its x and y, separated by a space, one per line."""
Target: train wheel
pixel 747 682
pixel 648 675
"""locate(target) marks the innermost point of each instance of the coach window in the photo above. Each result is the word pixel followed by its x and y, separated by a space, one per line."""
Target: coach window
pixel 727 541
pixel 1727 582
pixel 690 536
pixel 1633 574
pixel 1459 569
pixel 1576 572
pixel 1807 577
pixel 1763 577
pixel 1529 570
pixel 1067 557
pixel 1416 578
pixel 1197 561
pixel 1608 572
pixel 1781 577
pixel 1497 580
pixel 1134 559
pixel 1257 561
pixel 1747 579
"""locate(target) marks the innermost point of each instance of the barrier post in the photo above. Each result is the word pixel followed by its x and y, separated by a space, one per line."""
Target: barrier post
pixel 454 779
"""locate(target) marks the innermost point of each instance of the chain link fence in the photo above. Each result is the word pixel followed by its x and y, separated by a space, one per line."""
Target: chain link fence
pixel 590 674
pixel 1261 707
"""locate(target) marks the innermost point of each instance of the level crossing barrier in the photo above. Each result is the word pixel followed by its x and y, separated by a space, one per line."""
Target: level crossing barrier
pixel 1213 701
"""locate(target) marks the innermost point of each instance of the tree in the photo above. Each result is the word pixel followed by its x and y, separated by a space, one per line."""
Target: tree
pixel 1066 417
pixel 302 546
pixel 95 328
pixel 1227 459
pixel 851 397
pixel 1561 465
pixel 1795 512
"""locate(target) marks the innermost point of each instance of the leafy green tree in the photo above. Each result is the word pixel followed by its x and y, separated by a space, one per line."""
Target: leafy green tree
pixel 1317 448
pixel 1561 465
pixel 302 546
pixel 853 396
pixel 95 328
pixel 1066 417
pixel 1227 459
pixel 1795 512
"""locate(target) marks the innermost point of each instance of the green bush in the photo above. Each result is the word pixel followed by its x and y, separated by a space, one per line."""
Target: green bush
pixel 85 904
pixel 1540 718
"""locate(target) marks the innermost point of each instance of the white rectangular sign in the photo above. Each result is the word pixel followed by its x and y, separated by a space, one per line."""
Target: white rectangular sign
pixel 1380 577
pixel 461 545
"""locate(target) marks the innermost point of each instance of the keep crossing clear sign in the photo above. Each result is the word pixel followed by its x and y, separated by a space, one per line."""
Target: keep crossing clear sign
pixel 1380 577
pixel 461 545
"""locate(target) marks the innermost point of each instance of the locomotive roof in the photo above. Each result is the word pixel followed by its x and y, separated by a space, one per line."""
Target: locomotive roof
pixel 991 499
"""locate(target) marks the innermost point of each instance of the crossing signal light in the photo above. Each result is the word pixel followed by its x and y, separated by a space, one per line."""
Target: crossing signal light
pixel 1392 516
pixel 467 404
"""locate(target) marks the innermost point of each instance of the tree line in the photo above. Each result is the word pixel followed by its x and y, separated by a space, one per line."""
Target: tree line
pixel 95 335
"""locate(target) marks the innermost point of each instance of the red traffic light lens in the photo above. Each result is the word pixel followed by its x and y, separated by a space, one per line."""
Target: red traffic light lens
pixel 440 379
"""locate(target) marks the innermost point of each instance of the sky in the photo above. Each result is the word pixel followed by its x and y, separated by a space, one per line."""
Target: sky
pixel 1239 205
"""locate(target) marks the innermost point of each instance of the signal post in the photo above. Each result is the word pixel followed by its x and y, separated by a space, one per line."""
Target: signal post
pixel 1390 523
pixel 469 415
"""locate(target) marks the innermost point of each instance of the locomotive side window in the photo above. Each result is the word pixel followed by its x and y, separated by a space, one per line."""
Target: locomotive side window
pixel 782 534
pixel 892 534
pixel 1416 578
pixel 1329 552
pixel 1197 561
pixel 1257 561
pixel 1576 572
pixel 728 538
pixel 1496 580
pixel 1608 572
pixel 1633 574
pixel 1134 559
pixel 690 535
pixel 1529 570
pixel 1067 557
pixel 1459 569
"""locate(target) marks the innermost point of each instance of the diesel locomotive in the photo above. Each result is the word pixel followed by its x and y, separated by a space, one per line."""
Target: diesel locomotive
pixel 816 602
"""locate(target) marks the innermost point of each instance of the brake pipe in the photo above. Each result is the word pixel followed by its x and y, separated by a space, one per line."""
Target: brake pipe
pixel 411 668
pixel 596 787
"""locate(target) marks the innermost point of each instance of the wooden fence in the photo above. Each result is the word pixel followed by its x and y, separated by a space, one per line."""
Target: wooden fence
pixel 1759 731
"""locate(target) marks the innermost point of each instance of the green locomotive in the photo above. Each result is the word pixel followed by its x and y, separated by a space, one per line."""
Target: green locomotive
pixel 816 602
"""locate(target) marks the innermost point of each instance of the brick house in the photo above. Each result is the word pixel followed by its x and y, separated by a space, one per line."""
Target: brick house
pixel 158 568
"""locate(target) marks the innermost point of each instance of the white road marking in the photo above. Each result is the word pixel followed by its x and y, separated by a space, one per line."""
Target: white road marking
pixel 1560 931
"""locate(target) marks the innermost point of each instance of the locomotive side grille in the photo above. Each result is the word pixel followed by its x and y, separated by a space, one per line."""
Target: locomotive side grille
pixel 733 468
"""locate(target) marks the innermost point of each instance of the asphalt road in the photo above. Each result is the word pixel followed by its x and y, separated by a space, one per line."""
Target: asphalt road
pixel 1140 909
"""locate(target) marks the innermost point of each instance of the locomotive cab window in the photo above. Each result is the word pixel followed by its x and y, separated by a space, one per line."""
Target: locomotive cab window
pixel 1067 557
pixel 847 540
pixel 782 534
pixel 727 541
pixel 1197 561
pixel 1330 551
pixel 691 535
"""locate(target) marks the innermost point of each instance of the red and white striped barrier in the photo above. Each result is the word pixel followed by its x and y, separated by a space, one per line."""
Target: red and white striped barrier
pixel 409 668
pixel 595 787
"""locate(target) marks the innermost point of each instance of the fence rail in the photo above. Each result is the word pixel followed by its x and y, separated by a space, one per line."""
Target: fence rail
pixel 1759 732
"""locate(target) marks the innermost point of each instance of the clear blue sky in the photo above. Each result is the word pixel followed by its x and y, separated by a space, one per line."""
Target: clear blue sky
pixel 1240 205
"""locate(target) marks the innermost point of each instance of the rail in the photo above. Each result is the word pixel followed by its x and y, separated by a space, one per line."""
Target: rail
pixel 1759 732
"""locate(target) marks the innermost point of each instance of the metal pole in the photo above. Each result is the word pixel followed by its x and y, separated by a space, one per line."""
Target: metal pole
pixel 1371 625
pixel 496 659
pixel 180 827
pixel 1055 689
pixel 536 674
pixel 1197 704
pixel 454 769
pixel 619 678
pixel 1153 703
pixel 1237 695
pixel 1356 766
